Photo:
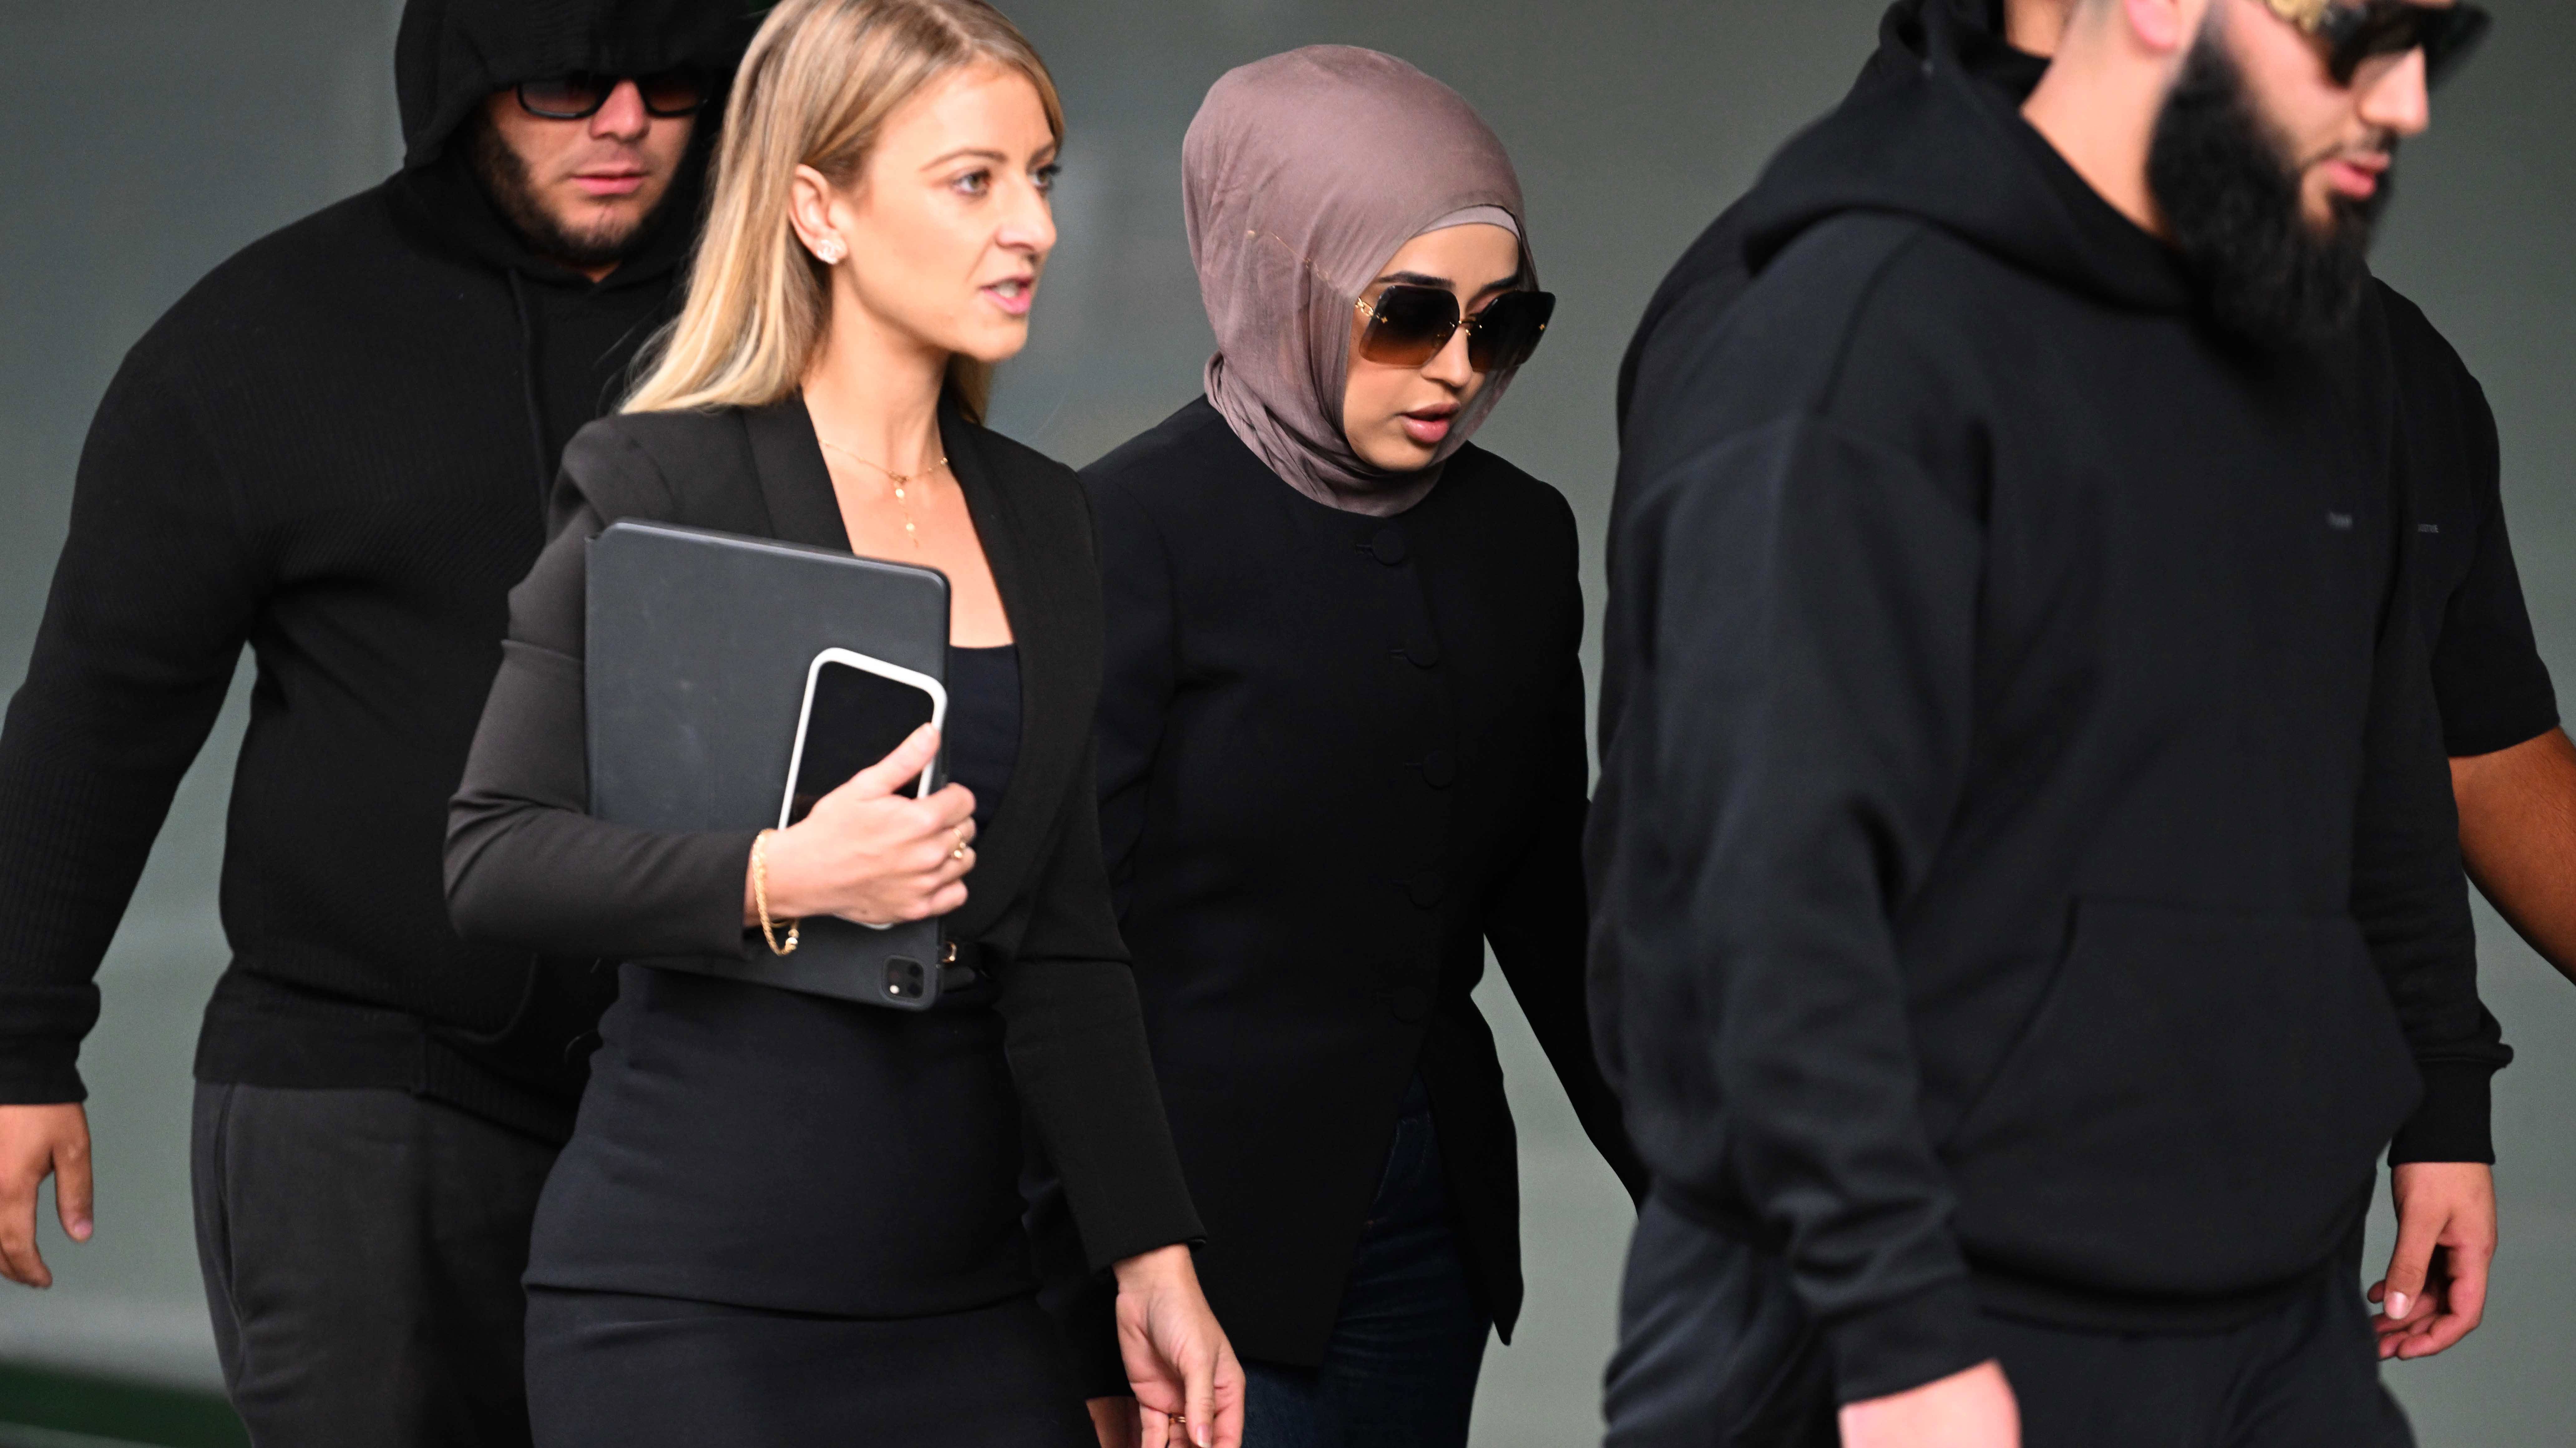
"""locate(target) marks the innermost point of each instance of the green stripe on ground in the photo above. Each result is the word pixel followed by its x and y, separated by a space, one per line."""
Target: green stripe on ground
pixel 19 1435
pixel 120 1412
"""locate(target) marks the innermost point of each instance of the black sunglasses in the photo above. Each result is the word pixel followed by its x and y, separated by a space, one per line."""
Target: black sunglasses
pixel 1408 325
pixel 2357 33
pixel 579 94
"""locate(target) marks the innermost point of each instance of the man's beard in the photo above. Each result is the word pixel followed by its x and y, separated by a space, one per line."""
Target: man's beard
pixel 505 178
pixel 2231 199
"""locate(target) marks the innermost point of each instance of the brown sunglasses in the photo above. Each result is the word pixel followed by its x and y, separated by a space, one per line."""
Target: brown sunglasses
pixel 1408 325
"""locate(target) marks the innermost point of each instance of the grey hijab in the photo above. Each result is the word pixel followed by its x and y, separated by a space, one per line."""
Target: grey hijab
pixel 1302 175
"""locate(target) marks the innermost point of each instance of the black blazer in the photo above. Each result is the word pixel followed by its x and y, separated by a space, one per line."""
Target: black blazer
pixel 758 1147
pixel 1339 754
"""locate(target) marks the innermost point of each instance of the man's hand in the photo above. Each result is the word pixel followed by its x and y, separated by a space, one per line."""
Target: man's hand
pixel 1973 1409
pixel 2436 1288
pixel 37 1142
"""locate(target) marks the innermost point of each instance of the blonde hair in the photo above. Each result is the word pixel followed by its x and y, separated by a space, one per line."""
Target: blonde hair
pixel 815 90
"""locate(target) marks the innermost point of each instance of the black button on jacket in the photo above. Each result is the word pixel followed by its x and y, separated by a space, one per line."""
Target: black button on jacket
pixel 1338 755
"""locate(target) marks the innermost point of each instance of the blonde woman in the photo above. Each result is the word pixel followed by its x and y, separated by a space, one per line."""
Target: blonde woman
pixel 784 1219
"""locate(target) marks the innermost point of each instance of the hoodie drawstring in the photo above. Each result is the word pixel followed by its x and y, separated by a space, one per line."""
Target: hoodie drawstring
pixel 536 406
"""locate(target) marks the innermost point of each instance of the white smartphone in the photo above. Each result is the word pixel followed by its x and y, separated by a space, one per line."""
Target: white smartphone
pixel 857 709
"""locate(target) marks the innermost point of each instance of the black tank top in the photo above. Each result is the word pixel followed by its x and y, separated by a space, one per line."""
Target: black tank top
pixel 983 741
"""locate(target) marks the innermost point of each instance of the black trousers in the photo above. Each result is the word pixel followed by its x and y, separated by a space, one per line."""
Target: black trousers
pixel 610 1370
pixel 362 1252
pixel 1716 1352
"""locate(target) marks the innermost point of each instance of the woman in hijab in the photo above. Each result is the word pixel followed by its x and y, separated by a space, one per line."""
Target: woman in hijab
pixel 1341 747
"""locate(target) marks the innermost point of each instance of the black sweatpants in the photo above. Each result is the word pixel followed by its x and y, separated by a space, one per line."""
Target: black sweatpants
pixel 362 1252
pixel 1716 1352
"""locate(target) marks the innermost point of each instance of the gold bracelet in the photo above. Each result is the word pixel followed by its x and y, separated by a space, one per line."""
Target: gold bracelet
pixel 760 895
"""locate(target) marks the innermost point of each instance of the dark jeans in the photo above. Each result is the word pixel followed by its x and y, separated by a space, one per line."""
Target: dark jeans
pixel 1400 1371
pixel 1715 1351
pixel 362 1251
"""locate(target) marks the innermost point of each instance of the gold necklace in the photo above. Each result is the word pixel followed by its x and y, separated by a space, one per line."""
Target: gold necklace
pixel 902 501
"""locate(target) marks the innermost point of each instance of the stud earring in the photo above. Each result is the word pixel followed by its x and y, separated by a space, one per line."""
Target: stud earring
pixel 829 250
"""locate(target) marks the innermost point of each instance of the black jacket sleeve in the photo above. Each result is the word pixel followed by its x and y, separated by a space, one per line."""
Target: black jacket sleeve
pixel 2410 897
pixel 526 863
pixel 1075 1035
pixel 155 592
pixel 1083 987
pixel 1138 676
pixel 1788 768
pixel 1537 922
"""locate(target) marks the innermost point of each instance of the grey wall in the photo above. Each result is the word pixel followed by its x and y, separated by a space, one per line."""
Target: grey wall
pixel 142 142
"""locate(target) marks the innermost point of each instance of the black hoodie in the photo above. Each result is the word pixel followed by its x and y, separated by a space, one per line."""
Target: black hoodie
pixel 1714 270
pixel 2025 871
pixel 334 448
pixel 2488 678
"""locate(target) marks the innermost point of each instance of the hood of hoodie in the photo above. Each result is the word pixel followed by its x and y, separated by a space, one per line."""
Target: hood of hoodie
pixel 1976 34
pixel 1714 271
pixel 450 55
pixel 1941 140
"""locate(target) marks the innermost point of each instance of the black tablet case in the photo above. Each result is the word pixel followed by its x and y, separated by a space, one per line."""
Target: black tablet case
pixel 698 648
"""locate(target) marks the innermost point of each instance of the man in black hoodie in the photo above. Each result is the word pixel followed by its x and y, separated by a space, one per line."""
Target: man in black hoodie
pixel 336 449
pixel 2513 769
pixel 2027 800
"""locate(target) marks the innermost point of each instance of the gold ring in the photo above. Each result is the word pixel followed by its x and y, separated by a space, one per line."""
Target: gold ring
pixel 959 853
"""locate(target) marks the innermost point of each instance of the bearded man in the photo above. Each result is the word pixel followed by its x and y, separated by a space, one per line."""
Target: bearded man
pixel 336 449
pixel 2028 892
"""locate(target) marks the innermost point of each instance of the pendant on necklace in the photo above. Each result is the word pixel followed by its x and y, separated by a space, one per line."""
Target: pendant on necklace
pixel 902 502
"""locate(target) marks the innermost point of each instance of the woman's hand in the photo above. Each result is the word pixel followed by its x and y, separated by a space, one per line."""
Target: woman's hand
pixel 1189 1388
pixel 867 854
pixel 1114 1422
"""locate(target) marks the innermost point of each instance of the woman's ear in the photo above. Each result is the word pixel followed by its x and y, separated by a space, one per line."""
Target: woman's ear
pixel 809 210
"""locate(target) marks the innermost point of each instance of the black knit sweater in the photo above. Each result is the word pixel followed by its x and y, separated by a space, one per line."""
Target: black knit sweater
pixel 335 449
